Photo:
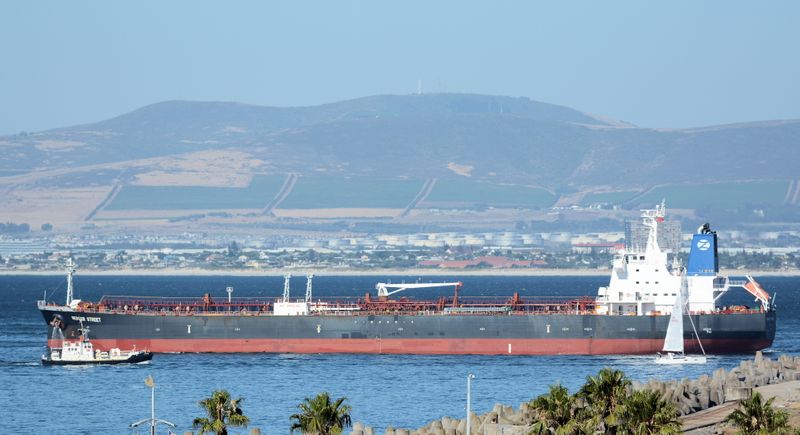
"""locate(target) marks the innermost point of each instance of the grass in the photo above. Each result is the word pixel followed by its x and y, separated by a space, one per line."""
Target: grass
pixel 258 194
pixel 468 194
pixel 718 195
pixel 356 192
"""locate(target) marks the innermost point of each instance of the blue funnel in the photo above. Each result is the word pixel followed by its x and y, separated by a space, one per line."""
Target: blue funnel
pixel 703 257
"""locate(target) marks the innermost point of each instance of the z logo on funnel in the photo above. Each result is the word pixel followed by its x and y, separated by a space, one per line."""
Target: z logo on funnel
pixel 703 245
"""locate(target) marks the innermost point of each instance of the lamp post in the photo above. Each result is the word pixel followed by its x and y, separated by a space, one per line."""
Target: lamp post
pixel 152 421
pixel 470 377
pixel 149 382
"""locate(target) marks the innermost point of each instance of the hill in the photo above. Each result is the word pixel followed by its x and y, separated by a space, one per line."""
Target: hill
pixel 506 152
pixel 503 139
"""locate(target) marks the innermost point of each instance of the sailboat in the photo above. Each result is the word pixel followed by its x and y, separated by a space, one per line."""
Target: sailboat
pixel 673 341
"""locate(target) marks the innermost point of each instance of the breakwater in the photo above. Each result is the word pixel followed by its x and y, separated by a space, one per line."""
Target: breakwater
pixel 723 386
pixel 688 396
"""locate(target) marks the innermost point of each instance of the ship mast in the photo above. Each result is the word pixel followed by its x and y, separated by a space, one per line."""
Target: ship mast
pixel 309 278
pixel 70 271
pixel 651 219
pixel 286 279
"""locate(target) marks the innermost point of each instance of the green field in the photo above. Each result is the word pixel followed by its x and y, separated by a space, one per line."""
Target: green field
pixel 355 192
pixel 718 195
pixel 608 197
pixel 258 194
pixel 468 194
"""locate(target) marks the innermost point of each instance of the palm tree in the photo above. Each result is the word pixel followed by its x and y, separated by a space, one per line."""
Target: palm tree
pixel 754 416
pixel 645 412
pixel 222 412
pixel 553 410
pixel 603 394
pixel 319 416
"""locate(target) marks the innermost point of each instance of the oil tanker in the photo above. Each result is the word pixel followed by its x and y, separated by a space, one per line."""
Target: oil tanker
pixel 628 316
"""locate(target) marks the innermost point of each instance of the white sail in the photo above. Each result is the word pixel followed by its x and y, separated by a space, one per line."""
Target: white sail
pixel 673 342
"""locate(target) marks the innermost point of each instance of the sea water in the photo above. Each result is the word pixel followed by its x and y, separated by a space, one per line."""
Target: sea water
pixel 383 390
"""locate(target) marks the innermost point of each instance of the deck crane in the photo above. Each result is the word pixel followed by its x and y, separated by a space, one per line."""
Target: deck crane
pixel 383 288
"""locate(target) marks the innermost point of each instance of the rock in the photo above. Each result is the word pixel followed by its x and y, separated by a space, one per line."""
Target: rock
pixel 716 396
pixel 737 393
pixel 483 429
pixel 255 431
pixel 475 422
pixel 704 398
pixel 389 431
pixel 369 430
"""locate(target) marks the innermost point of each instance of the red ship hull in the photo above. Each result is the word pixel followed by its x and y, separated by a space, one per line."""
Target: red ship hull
pixel 428 346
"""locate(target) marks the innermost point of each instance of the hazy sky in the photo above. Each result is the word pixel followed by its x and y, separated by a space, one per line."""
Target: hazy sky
pixel 676 64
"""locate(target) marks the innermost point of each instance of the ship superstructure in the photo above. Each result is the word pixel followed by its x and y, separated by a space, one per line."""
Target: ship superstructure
pixel 629 316
pixel 647 282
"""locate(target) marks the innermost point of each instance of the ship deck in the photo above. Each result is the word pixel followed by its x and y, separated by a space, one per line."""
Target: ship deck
pixel 348 306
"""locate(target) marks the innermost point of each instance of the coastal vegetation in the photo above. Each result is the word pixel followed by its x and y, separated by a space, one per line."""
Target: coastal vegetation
pixel 756 416
pixel 604 404
pixel 608 402
pixel 221 411
pixel 321 416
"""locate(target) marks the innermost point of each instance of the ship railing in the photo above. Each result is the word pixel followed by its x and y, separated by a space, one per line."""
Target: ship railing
pixel 175 305
pixel 332 305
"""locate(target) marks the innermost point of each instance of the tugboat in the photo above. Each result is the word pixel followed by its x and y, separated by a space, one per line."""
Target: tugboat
pixel 82 352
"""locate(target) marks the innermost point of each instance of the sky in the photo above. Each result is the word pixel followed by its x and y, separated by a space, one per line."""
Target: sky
pixel 669 64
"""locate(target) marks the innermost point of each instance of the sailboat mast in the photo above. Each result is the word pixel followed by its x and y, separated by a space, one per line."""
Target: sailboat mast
pixel 696 335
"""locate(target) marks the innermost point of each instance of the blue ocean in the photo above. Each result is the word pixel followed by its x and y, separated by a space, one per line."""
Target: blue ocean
pixel 384 390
